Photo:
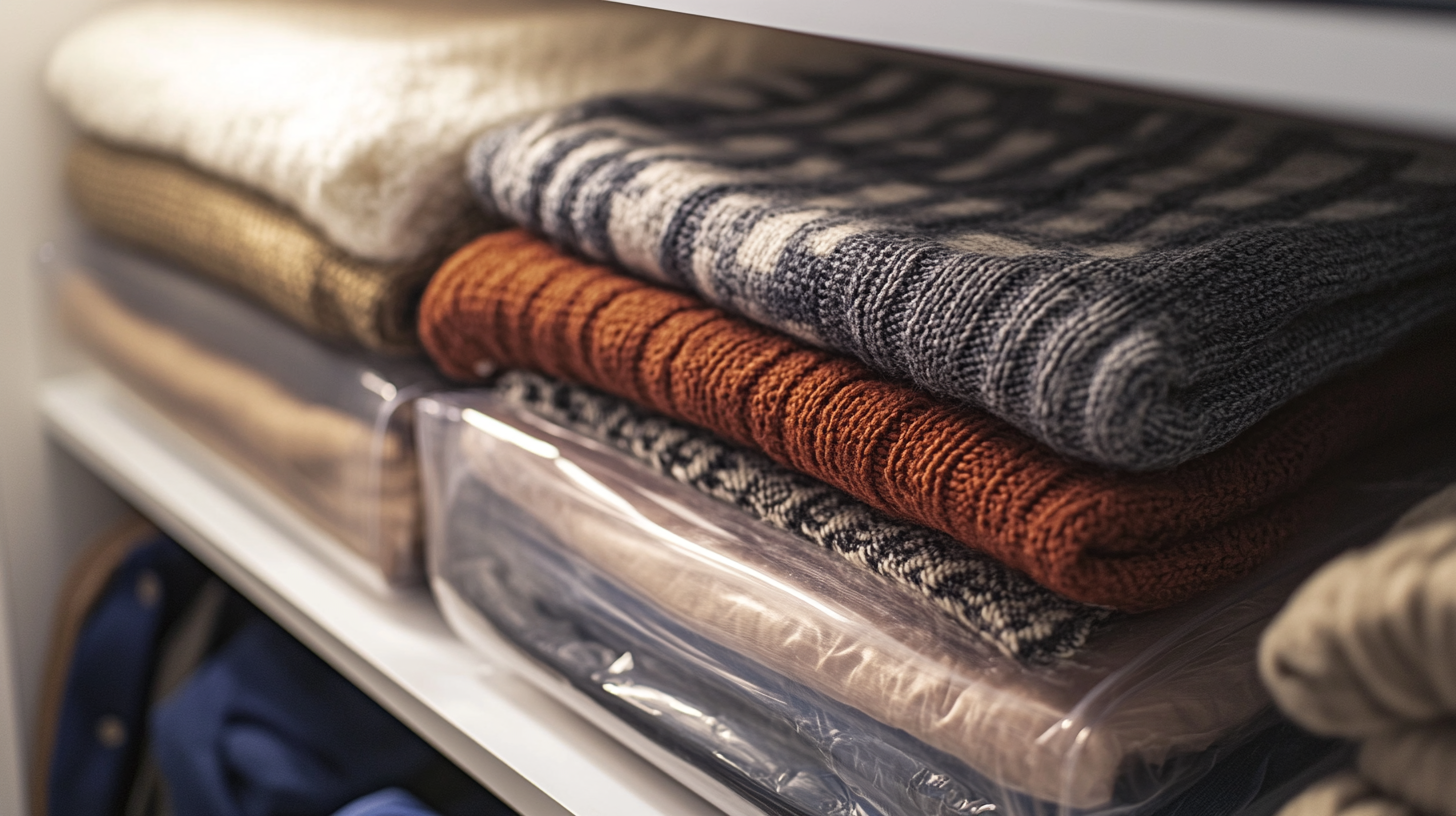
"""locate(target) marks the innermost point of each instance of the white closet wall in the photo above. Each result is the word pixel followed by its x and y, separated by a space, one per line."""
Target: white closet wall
pixel 49 504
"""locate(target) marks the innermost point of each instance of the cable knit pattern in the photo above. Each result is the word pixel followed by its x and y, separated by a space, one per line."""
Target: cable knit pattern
pixel 1132 285
pixel 1021 618
pixel 357 115
pixel 1366 649
pixel 1129 541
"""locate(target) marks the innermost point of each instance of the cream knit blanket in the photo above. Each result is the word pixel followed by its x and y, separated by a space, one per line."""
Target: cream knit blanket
pixel 357 115
pixel 1366 650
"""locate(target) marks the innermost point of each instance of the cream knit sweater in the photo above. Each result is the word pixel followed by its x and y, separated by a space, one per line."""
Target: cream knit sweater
pixel 1366 650
pixel 357 115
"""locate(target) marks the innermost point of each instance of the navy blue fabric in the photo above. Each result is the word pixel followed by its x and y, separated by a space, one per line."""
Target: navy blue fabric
pixel 266 728
pixel 388 802
pixel 452 792
pixel 103 711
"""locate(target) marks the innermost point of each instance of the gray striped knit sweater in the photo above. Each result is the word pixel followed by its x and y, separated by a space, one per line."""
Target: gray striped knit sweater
pixel 1022 618
pixel 1132 285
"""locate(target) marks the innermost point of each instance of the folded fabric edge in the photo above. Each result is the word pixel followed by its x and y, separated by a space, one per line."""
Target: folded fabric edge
pixel 468 334
pixel 240 238
pixel 931 571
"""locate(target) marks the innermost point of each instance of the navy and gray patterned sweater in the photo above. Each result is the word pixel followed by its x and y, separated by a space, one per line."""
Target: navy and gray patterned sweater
pixel 1131 284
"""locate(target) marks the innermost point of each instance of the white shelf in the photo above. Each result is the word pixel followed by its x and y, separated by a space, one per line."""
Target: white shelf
pixel 1387 67
pixel 535 754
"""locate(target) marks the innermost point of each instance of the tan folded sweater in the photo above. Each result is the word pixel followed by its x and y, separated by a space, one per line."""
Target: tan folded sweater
pixel 361 487
pixel 240 239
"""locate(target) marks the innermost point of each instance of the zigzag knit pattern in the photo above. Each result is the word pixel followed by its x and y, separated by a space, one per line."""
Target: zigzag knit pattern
pixel 1132 285
pixel 1132 541
pixel 1018 616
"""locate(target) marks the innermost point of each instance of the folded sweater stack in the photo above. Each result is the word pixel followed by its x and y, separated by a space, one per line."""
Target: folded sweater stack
pixel 967 287
pixel 1129 284
pixel 310 157
pixel 1126 540
pixel 1022 355
pixel 1115 347
pixel 309 153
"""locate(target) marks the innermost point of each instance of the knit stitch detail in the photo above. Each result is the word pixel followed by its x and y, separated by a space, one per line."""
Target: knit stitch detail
pixel 1131 284
pixel 1129 541
pixel 357 116
pixel 1021 618
pixel 230 235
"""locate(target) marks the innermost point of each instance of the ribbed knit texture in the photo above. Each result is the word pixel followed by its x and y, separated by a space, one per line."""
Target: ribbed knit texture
pixel 1129 541
pixel 357 115
pixel 1132 285
pixel 235 237
pixel 1020 617
pixel 1366 649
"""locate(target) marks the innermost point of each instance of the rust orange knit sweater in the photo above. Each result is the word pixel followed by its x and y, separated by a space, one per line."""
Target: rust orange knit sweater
pixel 1134 541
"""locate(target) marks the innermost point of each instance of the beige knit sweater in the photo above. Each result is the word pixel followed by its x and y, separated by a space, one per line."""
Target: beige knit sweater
pixel 1366 650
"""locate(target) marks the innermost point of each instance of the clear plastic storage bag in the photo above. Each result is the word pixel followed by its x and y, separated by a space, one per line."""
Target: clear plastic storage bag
pixel 330 431
pixel 809 685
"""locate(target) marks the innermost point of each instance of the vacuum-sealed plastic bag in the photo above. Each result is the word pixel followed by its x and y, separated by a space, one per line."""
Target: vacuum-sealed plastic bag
pixel 796 677
pixel 328 430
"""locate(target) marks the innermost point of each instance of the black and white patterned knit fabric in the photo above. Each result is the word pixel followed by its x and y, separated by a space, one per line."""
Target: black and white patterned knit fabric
pixel 1022 618
pixel 1133 285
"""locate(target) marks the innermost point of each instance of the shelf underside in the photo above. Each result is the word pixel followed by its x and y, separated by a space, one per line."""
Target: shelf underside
pixel 1385 66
